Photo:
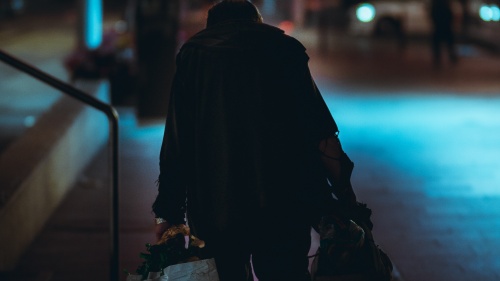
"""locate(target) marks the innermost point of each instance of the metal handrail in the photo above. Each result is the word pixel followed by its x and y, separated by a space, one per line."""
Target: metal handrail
pixel 113 120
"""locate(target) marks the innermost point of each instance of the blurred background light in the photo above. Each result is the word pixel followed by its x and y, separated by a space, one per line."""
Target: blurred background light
pixel 495 13
pixel 485 13
pixel 269 7
pixel 365 12
pixel 287 26
pixel 29 121
pixel 17 5
pixel 93 24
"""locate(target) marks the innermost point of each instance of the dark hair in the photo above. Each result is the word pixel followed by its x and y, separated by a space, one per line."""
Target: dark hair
pixel 233 10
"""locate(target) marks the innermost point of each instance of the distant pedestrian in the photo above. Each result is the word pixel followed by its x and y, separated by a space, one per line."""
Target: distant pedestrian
pixel 442 20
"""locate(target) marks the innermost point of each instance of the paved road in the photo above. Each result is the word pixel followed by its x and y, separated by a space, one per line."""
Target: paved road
pixel 426 144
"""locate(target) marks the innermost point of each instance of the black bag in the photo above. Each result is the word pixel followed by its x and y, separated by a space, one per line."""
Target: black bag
pixel 350 253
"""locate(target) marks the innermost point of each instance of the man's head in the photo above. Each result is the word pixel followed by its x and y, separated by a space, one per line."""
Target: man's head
pixel 233 10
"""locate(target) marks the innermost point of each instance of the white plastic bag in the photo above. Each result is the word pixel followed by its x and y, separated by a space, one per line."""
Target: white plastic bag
pixel 202 270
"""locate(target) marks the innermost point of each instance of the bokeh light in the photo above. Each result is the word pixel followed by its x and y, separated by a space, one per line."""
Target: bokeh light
pixel 365 12
pixel 93 28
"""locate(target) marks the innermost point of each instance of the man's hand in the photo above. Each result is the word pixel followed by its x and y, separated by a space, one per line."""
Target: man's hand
pixel 160 229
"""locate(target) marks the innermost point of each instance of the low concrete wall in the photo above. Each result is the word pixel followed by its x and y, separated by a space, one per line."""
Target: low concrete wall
pixel 39 168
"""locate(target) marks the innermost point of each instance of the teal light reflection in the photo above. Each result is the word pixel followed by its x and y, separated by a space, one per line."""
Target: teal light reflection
pixel 495 13
pixel 93 24
pixel 365 12
pixel 485 13
pixel 444 141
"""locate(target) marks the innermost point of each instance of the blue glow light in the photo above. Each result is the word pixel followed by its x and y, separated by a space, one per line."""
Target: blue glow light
pixel 269 7
pixel 485 13
pixel 93 24
pixel 365 12
pixel 17 5
pixel 495 13
pixel 29 121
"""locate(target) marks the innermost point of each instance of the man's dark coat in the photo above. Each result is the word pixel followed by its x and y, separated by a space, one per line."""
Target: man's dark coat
pixel 243 127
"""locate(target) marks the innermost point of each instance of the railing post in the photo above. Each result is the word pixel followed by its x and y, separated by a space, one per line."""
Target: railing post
pixel 113 120
pixel 114 210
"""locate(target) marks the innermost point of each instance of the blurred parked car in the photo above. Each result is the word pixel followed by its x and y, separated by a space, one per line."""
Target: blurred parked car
pixel 411 17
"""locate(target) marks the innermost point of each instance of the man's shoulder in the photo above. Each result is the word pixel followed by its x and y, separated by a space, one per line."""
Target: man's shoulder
pixel 245 36
pixel 292 42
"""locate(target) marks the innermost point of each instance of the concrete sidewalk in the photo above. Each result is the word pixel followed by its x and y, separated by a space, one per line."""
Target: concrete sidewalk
pixel 74 243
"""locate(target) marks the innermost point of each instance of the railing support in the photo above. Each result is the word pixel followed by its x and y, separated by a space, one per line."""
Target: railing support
pixel 113 120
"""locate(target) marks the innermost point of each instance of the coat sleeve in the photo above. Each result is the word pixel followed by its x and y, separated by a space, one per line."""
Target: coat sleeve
pixel 318 120
pixel 170 202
